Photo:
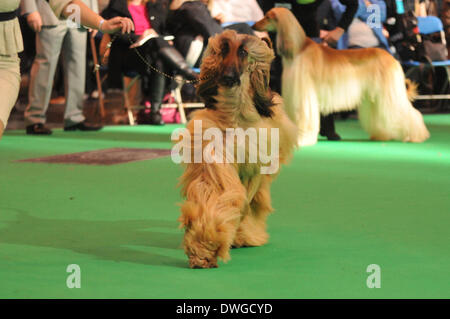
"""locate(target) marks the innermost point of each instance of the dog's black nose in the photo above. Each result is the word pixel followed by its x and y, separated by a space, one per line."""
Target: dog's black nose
pixel 230 80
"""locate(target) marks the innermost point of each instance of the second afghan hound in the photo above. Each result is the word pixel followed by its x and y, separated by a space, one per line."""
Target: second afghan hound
pixel 227 202
pixel 318 80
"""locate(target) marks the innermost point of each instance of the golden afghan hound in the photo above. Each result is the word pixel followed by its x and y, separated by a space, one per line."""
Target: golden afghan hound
pixel 317 79
pixel 227 202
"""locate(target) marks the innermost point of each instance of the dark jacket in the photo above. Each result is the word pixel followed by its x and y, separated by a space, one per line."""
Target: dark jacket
pixel 157 12
pixel 122 59
pixel 190 20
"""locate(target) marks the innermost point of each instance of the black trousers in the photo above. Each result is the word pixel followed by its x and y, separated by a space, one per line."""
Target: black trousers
pixel 133 63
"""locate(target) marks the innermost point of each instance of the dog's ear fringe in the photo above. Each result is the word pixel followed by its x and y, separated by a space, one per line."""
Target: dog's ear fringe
pixel 262 96
pixel 208 87
pixel 264 103
pixel 268 41
pixel 206 90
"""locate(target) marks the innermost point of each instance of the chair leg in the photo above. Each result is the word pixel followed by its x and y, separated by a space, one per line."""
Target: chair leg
pixel 445 86
pixel 131 87
pixel 97 76
pixel 447 83
pixel 178 100
pixel 131 117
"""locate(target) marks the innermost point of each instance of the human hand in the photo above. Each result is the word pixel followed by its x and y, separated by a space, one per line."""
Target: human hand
pixel 220 17
pixel 331 37
pixel 34 20
pixel 113 25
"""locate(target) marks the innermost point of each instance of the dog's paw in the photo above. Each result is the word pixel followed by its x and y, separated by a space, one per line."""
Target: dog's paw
pixel 196 262
pixel 307 139
pixel 307 142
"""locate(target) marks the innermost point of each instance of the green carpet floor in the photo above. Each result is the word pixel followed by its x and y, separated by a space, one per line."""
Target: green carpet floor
pixel 340 206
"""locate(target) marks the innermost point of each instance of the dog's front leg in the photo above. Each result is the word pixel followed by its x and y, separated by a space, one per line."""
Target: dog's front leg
pixel 308 119
pixel 302 105
pixel 211 213
pixel 252 229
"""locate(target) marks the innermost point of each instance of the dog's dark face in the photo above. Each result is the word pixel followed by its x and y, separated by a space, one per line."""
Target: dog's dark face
pixel 228 58
pixel 234 55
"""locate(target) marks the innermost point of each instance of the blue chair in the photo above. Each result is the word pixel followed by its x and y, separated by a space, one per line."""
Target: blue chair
pixel 429 25
pixel 226 24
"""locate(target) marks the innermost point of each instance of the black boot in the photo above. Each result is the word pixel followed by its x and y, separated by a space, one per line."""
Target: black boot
pixel 327 127
pixel 156 94
pixel 143 116
pixel 150 116
pixel 155 115
pixel 175 60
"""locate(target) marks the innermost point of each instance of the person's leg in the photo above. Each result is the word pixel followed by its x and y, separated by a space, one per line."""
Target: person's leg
pixel 9 87
pixel 74 60
pixel 306 15
pixel 74 53
pixel 173 58
pixel 327 127
pixel 157 82
pixel 48 48
pixel 2 128
pixel 156 93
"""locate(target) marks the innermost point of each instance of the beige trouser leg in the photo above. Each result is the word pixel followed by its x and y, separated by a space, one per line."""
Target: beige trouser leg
pixel 50 43
pixel 2 128
pixel 48 47
pixel 9 87
pixel 74 60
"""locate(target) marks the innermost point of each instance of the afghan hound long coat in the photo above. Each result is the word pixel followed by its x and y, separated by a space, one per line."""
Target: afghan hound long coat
pixel 317 79
pixel 226 204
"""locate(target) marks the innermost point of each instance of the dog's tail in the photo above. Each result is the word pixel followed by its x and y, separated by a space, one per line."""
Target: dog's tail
pixel 411 89
pixel 392 116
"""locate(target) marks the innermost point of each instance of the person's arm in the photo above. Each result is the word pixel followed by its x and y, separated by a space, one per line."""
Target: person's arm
pixel 29 9
pixel 421 9
pixel 90 19
pixel 383 10
pixel 199 19
pixel 351 6
pixel 122 40
pixel 94 6
pixel 27 6
pixel 266 5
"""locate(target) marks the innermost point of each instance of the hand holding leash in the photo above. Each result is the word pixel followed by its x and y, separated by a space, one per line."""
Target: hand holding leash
pixel 332 37
pixel 34 20
pixel 116 24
